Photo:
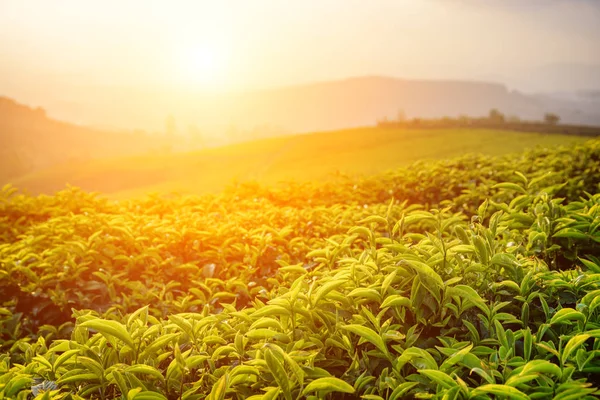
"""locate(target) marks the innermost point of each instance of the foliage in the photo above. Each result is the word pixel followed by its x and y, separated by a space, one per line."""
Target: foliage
pixel 458 279
pixel 494 120
pixel 551 118
pixel 301 158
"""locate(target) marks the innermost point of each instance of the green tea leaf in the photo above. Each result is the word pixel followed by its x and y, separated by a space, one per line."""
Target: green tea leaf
pixel 567 315
pixel 219 389
pixel 500 390
pixel 145 369
pixel 328 385
pixel 571 345
pixel 395 300
pixel 110 329
pixel 439 377
pixel 369 335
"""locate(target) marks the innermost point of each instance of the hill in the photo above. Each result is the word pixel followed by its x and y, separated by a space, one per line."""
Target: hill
pixel 471 278
pixel 316 157
pixel 30 140
pixel 352 102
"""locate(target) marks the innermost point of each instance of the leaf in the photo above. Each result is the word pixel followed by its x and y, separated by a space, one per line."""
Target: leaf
pixel 500 390
pixel 269 310
pixel 439 377
pixel 192 362
pixel 482 250
pixel 483 374
pixel 456 357
pixel 470 294
pixel 590 265
pixel 520 379
pixel 159 343
pixel 145 369
pixel 271 394
pixel 278 372
pixel 426 270
pixel 509 186
pixel 527 343
pixel 92 365
pixel 430 279
pixel 373 219
pixel 512 285
pixel 327 385
pixel 298 372
pixel 84 377
pixel 571 233
pixel 63 357
pixel 110 329
pixel 566 315
pixel 42 360
pixel 244 370
pixel 148 395
pixel 387 282
pixel 543 366
pixel 326 288
pixel 142 313
pixel 219 389
pixel 401 389
pixel 15 385
pixel 369 335
pixel 261 333
pixel 415 353
pixel 131 394
pixel 395 300
pixel 572 344
pixel 121 382
pixel 365 293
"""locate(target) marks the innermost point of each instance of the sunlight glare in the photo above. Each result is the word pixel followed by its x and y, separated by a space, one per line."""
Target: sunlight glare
pixel 205 65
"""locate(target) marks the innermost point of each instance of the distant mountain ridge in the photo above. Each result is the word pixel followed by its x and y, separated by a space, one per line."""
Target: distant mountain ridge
pixel 360 101
pixel 328 105
pixel 30 140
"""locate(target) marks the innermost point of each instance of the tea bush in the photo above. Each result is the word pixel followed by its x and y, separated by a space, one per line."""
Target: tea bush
pixel 470 278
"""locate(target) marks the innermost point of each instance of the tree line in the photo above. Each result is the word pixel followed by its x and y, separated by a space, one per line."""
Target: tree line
pixel 494 120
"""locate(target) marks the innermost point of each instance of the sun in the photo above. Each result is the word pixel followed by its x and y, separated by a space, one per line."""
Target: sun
pixel 205 65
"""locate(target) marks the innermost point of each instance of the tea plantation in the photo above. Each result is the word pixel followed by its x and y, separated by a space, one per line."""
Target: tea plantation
pixel 473 278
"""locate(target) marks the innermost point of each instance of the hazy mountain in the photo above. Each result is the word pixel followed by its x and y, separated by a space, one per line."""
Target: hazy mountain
pixel 565 77
pixel 361 101
pixel 30 140
pixel 310 107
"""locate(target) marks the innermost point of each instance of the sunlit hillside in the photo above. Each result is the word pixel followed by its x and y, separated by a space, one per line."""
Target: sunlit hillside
pixel 30 140
pixel 317 156
pixel 470 278
pixel 300 200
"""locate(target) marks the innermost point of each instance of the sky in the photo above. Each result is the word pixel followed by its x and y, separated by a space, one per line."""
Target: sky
pixel 239 45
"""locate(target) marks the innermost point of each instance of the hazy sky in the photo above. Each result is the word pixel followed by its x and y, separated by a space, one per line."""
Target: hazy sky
pixel 256 43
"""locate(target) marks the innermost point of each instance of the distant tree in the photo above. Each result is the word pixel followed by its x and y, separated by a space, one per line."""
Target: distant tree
pixel 447 121
pixel 464 120
pixel 496 116
pixel 383 122
pixel 401 116
pixel 551 118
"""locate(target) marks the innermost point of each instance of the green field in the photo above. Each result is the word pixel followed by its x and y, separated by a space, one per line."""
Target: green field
pixel 309 157
pixel 476 277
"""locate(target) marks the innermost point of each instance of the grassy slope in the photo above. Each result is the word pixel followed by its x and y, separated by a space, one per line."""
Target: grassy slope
pixel 315 156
